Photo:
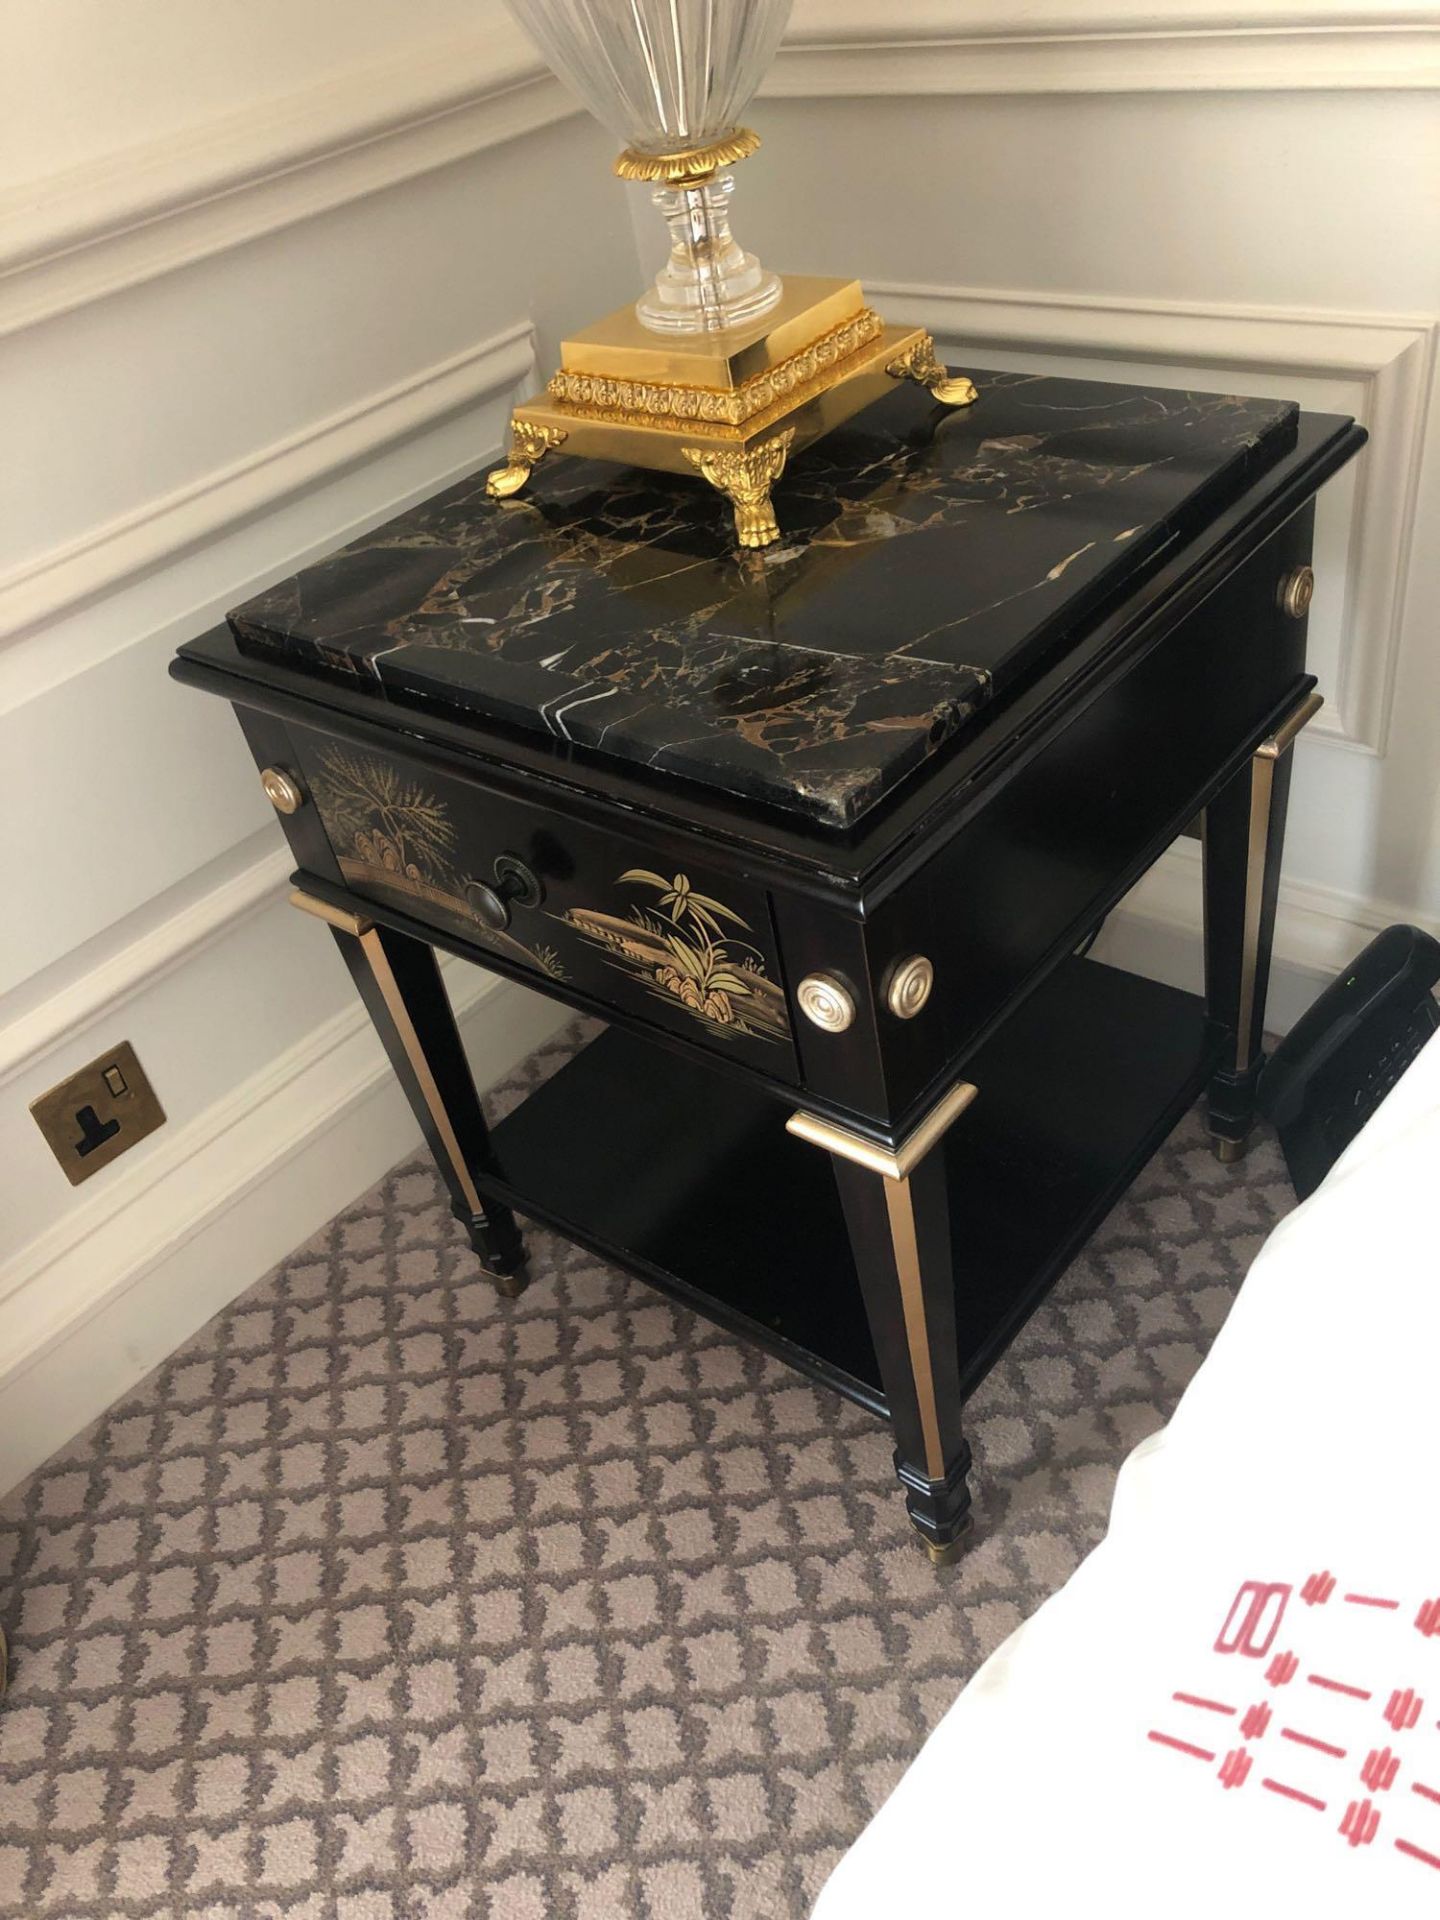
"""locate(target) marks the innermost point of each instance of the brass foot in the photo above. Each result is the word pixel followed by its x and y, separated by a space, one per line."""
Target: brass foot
pixel 944 1553
pixel 528 446
pixel 745 476
pixel 509 1285
pixel 1227 1152
pixel 919 363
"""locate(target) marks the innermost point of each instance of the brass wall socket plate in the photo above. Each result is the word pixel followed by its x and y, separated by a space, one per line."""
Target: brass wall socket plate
pixel 98 1113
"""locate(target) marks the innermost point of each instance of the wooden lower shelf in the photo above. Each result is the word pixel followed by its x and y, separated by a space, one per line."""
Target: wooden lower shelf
pixel 690 1180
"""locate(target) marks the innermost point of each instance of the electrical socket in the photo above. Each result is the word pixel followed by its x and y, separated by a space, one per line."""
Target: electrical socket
pixel 98 1113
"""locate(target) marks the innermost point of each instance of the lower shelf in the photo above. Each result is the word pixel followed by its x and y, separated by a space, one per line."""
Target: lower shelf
pixel 690 1180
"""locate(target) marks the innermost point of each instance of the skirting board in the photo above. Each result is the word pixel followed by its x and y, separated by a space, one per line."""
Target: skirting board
pixel 295 1146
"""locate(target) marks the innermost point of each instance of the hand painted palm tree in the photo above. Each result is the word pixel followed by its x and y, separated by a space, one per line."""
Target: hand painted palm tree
pixel 391 822
pixel 706 969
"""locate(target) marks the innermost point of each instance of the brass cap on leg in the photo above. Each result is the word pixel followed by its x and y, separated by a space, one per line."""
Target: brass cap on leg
pixel 1228 1152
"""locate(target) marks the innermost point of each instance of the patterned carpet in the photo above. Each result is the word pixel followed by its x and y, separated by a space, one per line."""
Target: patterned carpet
pixel 388 1600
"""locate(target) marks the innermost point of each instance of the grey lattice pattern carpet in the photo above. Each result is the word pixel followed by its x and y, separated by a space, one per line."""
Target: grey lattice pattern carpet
pixel 388 1600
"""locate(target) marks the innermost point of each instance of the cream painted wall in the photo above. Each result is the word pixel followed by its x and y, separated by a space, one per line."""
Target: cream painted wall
pixel 269 271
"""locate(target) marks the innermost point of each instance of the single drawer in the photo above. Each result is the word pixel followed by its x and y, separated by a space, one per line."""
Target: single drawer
pixel 630 922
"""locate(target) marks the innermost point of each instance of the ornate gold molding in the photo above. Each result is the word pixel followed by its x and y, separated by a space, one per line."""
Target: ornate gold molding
pixel 529 443
pixel 688 166
pixel 745 476
pixel 920 363
pixel 602 397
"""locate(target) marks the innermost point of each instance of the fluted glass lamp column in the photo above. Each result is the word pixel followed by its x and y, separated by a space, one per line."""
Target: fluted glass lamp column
pixel 720 368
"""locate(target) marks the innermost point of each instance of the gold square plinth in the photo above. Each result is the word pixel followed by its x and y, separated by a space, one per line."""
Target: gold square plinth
pixel 731 406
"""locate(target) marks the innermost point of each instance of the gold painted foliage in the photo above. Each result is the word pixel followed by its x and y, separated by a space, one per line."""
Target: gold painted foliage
pixel 706 971
pixel 389 820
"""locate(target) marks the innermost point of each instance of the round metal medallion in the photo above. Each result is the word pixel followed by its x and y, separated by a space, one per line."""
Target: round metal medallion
pixel 282 790
pixel 1297 590
pixel 909 986
pixel 826 1001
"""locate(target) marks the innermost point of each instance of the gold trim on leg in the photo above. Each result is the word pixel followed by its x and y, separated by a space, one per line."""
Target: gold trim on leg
pixel 1263 763
pixel 891 1165
pixel 373 948
pixel 900 1206
pixel 1262 786
pixel 894 1169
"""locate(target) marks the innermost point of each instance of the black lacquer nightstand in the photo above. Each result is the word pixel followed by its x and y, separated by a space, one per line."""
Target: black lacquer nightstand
pixel 817 831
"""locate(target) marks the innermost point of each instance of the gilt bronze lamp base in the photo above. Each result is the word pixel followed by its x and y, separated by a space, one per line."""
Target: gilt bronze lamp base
pixel 731 406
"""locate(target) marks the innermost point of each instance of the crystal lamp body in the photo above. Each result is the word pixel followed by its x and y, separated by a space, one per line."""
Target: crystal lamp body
pixel 671 78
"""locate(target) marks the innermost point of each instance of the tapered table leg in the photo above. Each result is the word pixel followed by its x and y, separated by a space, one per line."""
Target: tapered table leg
pixel 897 1210
pixel 1244 840
pixel 399 981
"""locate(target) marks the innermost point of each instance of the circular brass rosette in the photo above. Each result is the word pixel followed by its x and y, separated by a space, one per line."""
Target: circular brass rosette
pixel 826 1002
pixel 1297 590
pixel 909 986
pixel 282 790
pixel 687 166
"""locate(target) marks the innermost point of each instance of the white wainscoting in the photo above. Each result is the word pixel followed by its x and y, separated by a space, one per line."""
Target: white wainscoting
pixel 855 48
pixel 134 1268
pixel 1378 367
pixel 96 229
pixel 106 556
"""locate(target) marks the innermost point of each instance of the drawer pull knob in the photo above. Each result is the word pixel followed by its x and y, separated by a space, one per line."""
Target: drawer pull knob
pixel 826 1001
pixel 909 986
pixel 1297 590
pixel 282 790
pixel 514 884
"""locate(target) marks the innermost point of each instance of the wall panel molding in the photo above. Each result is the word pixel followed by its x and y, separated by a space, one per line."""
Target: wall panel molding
pixel 140 962
pixel 1390 357
pixel 96 229
pixel 858 47
pixel 113 223
pixel 136 1266
pixel 104 557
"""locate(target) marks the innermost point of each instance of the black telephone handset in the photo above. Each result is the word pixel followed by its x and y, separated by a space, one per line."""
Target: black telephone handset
pixel 1338 1062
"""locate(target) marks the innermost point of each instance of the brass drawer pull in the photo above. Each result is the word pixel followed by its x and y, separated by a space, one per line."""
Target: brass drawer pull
pixel 514 884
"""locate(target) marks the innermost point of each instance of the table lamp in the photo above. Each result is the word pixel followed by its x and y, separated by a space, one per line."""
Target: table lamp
pixel 720 368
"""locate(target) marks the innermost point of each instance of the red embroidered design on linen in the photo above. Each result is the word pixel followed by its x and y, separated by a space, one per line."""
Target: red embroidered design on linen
pixel 1361 1823
pixel 1338 1686
pixel 1404 1709
pixel 1180 1746
pixel 1294 1793
pixel 1254 1618
pixel 1197 1700
pixel 1309 1740
pixel 1251 1628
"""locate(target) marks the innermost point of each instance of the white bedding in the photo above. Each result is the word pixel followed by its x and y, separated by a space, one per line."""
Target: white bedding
pixel 1233 1707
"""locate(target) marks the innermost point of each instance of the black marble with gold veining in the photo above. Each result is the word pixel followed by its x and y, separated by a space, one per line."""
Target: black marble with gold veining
pixel 928 559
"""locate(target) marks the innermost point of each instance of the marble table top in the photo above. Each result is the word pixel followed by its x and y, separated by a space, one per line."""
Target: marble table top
pixel 928 559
